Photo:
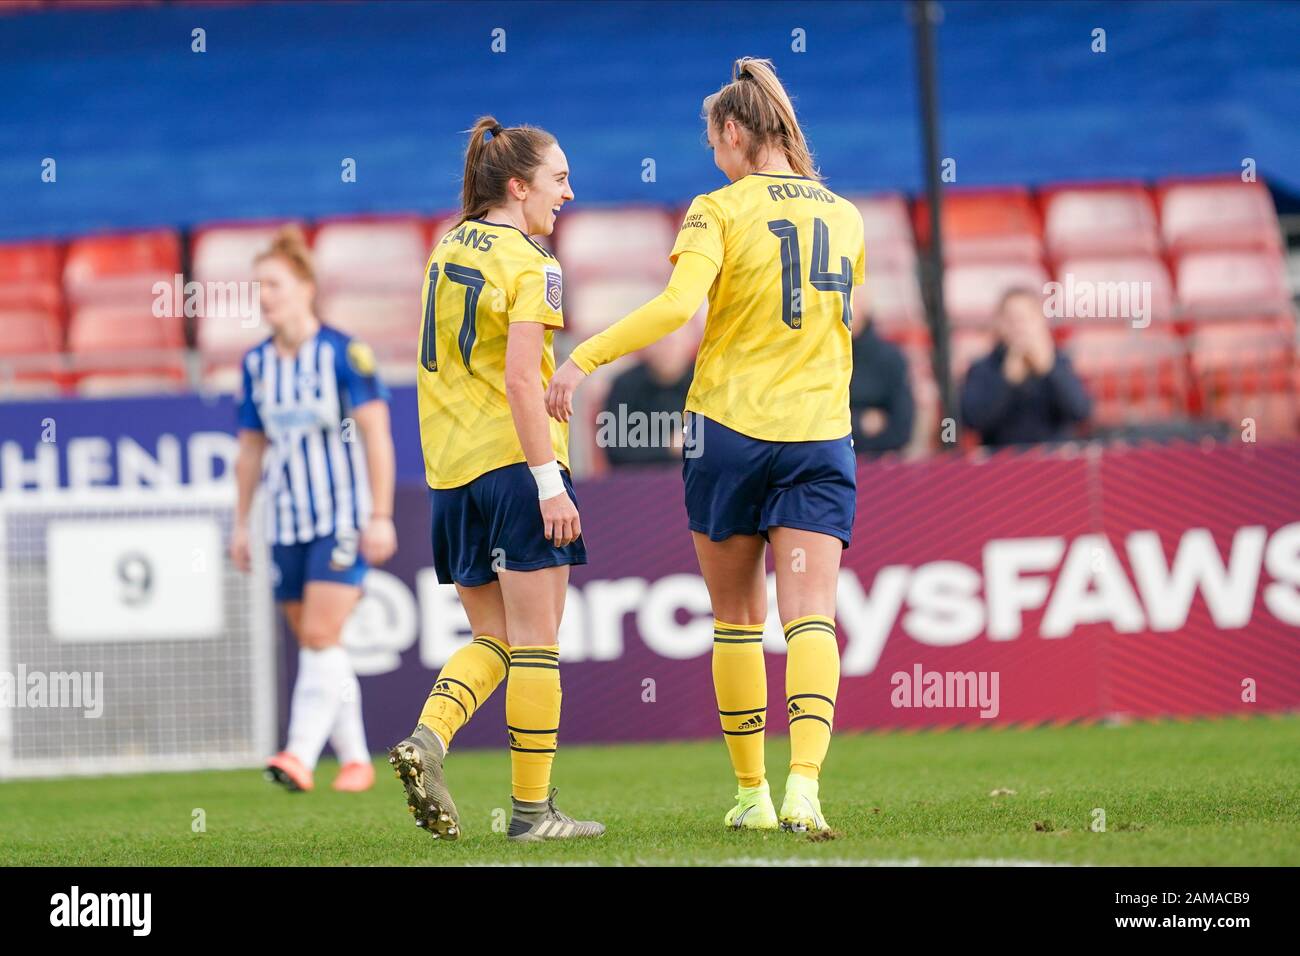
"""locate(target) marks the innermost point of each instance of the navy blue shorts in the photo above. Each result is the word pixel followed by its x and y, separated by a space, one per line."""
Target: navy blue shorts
pixel 741 485
pixel 495 516
pixel 328 558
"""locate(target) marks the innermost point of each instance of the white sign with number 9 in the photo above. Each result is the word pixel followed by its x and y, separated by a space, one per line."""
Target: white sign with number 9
pixel 135 579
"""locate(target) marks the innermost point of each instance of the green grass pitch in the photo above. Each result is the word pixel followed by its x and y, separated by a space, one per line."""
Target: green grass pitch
pixel 1205 792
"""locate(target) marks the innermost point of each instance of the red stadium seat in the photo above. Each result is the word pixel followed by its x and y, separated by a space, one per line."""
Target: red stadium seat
pixel 115 341
pixel 1247 369
pixel 1099 221
pixel 984 225
pixel 892 294
pixel 1233 283
pixel 371 255
pixel 595 304
pixel 623 243
pixel 29 262
pixel 972 291
pixel 29 330
pixel 1133 375
pixel 30 275
pixel 893 299
pixel 31 359
pixel 225 253
pixel 1114 297
pixel 121 268
pixel 887 233
pixel 383 320
pixel 115 328
pixel 1258 345
pixel 1217 214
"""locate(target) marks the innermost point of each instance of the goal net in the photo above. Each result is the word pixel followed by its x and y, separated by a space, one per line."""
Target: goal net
pixel 128 640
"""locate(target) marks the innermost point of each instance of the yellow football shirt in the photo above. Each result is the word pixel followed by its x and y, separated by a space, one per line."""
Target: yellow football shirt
pixel 776 356
pixel 481 277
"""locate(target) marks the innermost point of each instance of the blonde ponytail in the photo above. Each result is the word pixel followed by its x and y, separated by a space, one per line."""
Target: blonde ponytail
pixel 756 101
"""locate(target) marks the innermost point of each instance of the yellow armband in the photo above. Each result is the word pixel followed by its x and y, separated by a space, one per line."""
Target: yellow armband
pixel 667 312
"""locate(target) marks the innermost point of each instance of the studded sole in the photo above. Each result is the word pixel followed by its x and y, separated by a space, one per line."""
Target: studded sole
pixel 430 813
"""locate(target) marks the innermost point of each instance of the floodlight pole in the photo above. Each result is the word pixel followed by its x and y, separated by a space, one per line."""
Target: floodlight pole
pixel 924 15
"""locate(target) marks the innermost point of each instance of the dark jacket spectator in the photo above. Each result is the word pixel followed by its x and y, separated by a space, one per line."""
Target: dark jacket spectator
pixel 647 388
pixel 1039 408
pixel 1024 391
pixel 880 395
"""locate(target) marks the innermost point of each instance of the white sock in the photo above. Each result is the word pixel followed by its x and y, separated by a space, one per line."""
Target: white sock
pixel 349 735
pixel 317 696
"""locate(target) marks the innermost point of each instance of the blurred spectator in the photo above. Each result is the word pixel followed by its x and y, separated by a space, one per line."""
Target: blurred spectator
pixel 880 394
pixel 1025 390
pixel 657 384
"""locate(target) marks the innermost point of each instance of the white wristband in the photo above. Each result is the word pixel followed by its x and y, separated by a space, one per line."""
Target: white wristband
pixel 549 482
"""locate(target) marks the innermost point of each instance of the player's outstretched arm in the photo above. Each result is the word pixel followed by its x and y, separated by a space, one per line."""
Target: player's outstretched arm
pixel 665 313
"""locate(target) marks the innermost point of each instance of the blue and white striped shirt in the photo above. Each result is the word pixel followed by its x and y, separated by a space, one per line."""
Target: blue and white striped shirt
pixel 314 471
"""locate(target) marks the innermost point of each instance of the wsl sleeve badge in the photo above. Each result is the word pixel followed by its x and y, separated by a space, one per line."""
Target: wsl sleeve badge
pixel 361 357
pixel 554 288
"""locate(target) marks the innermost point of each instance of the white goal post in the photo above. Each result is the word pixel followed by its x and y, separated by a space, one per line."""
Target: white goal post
pixel 128 640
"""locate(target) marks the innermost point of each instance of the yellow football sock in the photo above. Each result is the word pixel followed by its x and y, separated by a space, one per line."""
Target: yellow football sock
pixel 812 680
pixel 532 719
pixel 740 682
pixel 464 682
